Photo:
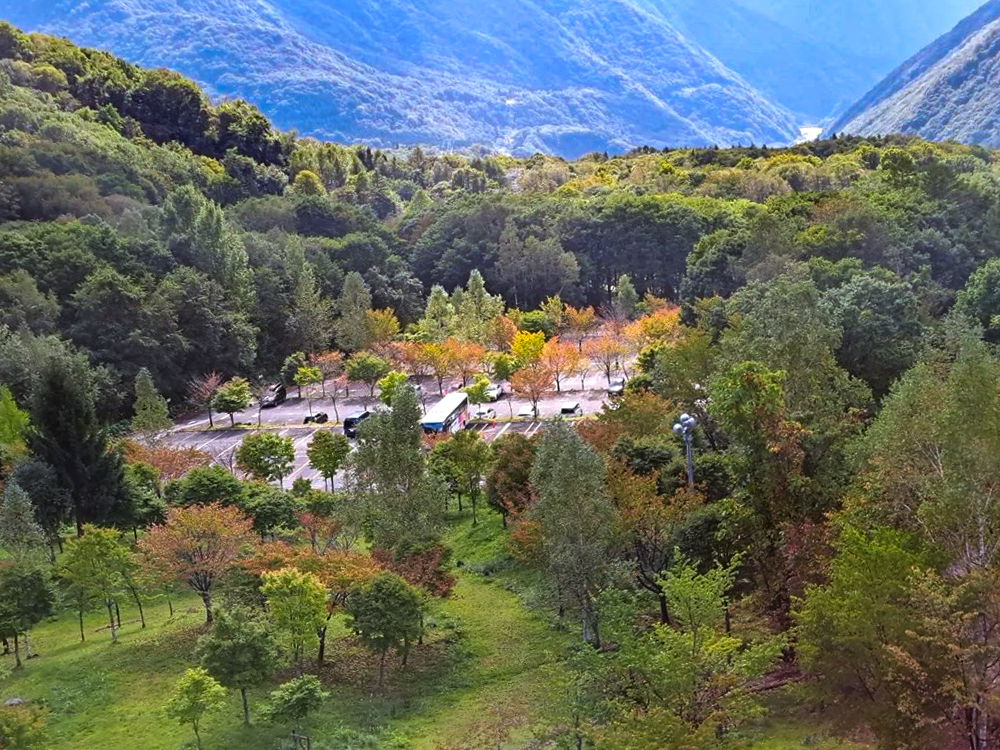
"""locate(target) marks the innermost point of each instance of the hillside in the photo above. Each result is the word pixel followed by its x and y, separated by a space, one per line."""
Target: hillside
pixel 948 90
pixel 572 77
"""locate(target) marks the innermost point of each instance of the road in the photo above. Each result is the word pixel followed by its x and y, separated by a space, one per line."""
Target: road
pixel 287 420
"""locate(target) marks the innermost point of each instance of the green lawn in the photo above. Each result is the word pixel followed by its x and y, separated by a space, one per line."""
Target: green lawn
pixel 484 649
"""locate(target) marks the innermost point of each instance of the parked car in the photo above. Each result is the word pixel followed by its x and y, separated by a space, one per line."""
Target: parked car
pixel 484 413
pixel 527 411
pixel 616 387
pixel 571 409
pixel 494 392
pixel 274 395
pixel 318 418
pixel 352 422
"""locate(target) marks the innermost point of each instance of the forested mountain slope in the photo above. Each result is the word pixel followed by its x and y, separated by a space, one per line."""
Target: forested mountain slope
pixel 565 77
pixel 948 90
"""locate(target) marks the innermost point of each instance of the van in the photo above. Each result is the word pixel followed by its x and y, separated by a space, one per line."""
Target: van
pixel 274 395
pixel 352 422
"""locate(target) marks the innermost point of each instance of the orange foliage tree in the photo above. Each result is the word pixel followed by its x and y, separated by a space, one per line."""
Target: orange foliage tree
pixel 198 545
pixel 441 360
pixel 330 365
pixel 578 323
pixel 468 357
pixel 562 360
pixel 607 350
pixel 169 463
pixel 533 382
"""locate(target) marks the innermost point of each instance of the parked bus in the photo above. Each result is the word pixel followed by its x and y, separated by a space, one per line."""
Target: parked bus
pixel 447 415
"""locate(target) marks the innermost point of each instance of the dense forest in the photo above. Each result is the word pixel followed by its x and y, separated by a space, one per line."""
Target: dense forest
pixel 827 313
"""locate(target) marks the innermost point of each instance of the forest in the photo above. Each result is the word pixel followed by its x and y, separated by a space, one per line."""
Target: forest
pixel 828 315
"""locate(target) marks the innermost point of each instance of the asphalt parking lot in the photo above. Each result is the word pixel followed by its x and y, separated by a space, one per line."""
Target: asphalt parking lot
pixel 287 421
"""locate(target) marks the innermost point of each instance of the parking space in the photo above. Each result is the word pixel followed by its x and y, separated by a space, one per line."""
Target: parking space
pixel 287 420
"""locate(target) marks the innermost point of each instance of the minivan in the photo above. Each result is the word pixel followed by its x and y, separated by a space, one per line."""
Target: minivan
pixel 352 422
pixel 274 395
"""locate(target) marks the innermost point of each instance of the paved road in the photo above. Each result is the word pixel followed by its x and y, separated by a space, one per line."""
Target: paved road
pixel 286 420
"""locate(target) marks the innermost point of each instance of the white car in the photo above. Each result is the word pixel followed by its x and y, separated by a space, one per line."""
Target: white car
pixel 494 392
pixel 527 411
pixel 616 387
pixel 484 413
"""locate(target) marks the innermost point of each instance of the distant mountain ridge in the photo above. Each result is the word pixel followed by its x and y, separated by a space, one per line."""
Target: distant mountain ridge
pixel 948 90
pixel 566 76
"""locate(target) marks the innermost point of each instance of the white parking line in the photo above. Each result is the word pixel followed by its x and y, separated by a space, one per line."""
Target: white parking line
pixel 535 427
pixel 502 431
pixel 213 439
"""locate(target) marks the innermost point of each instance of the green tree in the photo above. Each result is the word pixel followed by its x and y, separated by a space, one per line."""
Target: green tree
pixel 197 694
pixel 576 520
pixel 626 299
pixel 21 537
pixel 21 728
pixel 367 368
pixel 68 437
pixel 94 567
pixel 402 503
pixel 204 485
pixel 307 376
pixel 438 323
pixel 267 456
pixel 294 700
pixel 310 317
pixel 352 309
pixel 150 413
pixel 297 603
pixel 390 384
pixel 14 425
pixel 307 183
pixel 238 651
pixel 26 598
pixel 386 614
pixel 980 299
pixel 291 366
pixel 327 452
pixel 470 456
pixel 232 397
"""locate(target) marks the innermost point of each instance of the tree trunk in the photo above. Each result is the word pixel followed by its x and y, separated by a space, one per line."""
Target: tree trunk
pixel 138 603
pixel 197 735
pixel 170 605
pixel 246 707
pixel 664 612
pixel 381 667
pixel 232 419
pixel 82 637
pixel 211 424
pixel 206 598
pixel 17 652
pixel 111 620
pixel 118 614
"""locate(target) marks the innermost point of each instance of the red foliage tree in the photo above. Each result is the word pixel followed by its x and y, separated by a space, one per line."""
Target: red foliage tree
pixel 170 463
pixel 425 568
pixel 198 545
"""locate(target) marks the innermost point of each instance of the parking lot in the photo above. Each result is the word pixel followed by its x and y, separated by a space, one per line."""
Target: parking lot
pixel 287 420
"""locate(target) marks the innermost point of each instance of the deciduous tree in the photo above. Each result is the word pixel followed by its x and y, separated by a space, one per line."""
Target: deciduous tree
pixel 232 397
pixel 386 614
pixel 198 546
pixel 327 452
pixel 197 694
pixel 297 604
pixel 267 456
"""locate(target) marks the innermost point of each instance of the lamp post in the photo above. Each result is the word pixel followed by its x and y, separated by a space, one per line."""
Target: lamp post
pixel 685 428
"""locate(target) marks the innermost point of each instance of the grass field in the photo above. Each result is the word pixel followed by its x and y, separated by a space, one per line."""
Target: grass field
pixel 485 651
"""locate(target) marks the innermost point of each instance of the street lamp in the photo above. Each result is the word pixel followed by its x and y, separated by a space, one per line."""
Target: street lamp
pixel 685 428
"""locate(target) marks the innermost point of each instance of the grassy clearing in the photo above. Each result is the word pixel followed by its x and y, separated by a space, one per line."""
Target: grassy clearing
pixel 484 649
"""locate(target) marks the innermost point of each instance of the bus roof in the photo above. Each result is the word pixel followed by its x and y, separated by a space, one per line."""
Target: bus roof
pixel 444 408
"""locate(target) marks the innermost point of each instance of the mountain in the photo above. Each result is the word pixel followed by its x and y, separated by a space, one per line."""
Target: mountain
pixel 947 91
pixel 881 33
pixel 564 76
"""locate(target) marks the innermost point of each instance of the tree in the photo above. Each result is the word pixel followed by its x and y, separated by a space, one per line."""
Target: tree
pixel 205 485
pixel 561 359
pixel 197 694
pixel 477 392
pixel 607 351
pixel 368 369
pixel 94 567
pixel 296 603
pixel 307 183
pixel 232 397
pixel 533 382
pixel 508 483
pixel 151 415
pixel 21 728
pixel 266 456
pixel 307 376
pixel 386 614
pixel 383 327
pixel 197 545
pixel 439 321
pixel 626 299
pixel 21 537
pixel 327 452
pixel 330 365
pixel 291 366
pixel 68 437
pixel 575 518
pixel 980 299
pixel 352 308
pixel 470 457
pixel 527 348
pixel 294 700
pixel 578 322
pixel 26 598
pixel 468 358
pixel 441 359
pixel 14 425
pixel 389 386
pixel 402 503
pixel 201 392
